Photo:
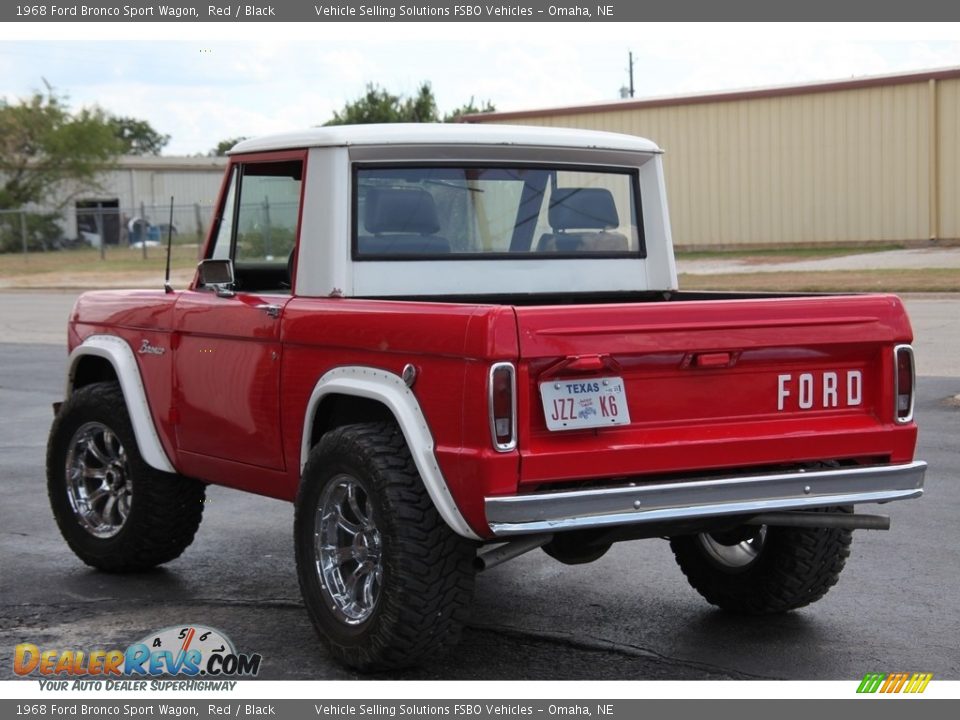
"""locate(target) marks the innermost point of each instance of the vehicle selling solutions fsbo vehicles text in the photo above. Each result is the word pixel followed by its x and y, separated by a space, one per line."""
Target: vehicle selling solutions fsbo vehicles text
pixel 382 11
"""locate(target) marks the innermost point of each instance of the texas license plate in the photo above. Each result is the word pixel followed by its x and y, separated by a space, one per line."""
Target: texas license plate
pixel 576 404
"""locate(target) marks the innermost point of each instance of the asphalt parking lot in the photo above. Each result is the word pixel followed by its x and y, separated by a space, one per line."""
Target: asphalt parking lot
pixel 629 616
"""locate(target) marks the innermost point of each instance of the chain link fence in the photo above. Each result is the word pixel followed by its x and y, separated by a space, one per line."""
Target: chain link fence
pixel 104 227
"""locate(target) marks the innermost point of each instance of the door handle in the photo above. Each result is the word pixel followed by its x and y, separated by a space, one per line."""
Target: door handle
pixel 271 310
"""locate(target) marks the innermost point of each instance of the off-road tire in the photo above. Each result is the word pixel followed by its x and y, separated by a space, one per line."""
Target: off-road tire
pixel 794 567
pixel 164 511
pixel 427 569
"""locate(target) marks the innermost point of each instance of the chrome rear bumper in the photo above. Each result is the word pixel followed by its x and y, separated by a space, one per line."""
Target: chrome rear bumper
pixel 696 499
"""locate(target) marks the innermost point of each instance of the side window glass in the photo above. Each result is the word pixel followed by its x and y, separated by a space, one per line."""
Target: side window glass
pixel 221 244
pixel 269 211
pixel 258 225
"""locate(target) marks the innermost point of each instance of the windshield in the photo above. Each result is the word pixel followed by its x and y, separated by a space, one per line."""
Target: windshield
pixel 485 212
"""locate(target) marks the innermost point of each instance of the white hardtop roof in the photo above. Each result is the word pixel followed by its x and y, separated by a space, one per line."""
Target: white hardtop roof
pixel 446 134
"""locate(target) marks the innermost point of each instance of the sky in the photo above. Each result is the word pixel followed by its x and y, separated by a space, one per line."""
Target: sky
pixel 203 83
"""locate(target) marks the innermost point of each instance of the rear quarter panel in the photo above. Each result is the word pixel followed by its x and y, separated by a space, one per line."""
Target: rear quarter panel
pixel 449 344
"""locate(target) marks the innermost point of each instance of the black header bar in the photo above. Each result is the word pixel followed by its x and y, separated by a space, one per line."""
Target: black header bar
pixel 593 11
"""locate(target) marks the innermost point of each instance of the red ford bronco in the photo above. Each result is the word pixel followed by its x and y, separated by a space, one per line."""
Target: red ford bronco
pixel 450 345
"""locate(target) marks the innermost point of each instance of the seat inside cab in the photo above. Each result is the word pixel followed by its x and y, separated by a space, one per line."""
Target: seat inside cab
pixel 403 221
pixel 581 220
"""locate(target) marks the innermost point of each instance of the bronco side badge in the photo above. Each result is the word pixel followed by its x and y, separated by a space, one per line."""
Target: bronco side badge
pixel 147 349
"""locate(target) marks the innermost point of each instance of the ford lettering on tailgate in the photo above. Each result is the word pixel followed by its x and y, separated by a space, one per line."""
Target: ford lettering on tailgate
pixel 820 390
pixel 576 404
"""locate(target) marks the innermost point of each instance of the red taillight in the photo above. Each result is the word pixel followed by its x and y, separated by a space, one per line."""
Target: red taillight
pixel 503 406
pixel 903 387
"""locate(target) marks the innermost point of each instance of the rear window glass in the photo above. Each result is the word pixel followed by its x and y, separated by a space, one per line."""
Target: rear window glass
pixel 488 212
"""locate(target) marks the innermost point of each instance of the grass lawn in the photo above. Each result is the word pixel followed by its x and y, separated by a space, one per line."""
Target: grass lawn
pixel 785 254
pixel 87 260
pixel 900 281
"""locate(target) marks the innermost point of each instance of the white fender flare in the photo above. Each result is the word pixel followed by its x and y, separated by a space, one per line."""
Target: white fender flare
pixel 118 353
pixel 389 389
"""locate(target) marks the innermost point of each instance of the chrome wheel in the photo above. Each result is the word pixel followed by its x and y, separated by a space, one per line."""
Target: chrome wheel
pixel 99 484
pixel 734 554
pixel 347 550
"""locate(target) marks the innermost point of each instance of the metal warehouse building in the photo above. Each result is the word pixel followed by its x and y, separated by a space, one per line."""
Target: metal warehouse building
pixel 142 187
pixel 867 160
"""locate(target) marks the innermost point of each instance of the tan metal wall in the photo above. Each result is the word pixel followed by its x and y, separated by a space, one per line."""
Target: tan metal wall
pixel 838 166
pixel 948 156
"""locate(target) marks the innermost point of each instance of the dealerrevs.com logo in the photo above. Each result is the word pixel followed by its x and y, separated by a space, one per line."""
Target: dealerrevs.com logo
pixel 187 650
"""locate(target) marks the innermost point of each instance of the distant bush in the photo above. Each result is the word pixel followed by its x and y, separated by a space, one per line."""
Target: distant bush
pixel 43 232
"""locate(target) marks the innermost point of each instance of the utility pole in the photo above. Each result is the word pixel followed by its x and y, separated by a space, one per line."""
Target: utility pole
pixel 631 72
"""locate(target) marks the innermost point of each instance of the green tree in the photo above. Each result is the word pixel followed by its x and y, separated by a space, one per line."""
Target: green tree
pixel 422 107
pixel 378 105
pixel 469 109
pixel 48 155
pixel 137 136
pixel 224 145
